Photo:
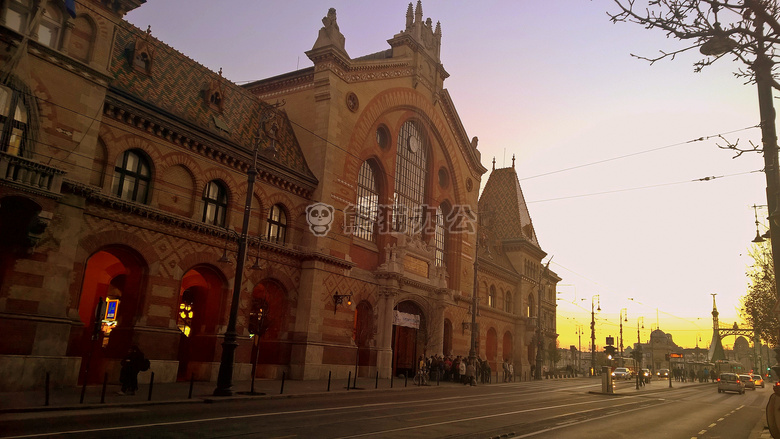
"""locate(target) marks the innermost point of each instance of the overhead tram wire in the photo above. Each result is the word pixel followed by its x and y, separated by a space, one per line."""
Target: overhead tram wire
pixel 598 162
pixel 653 186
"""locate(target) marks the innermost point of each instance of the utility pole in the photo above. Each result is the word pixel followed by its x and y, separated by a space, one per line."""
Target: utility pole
pixel 623 316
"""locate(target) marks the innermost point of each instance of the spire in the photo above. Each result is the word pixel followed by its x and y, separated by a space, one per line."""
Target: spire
pixel 513 161
pixel 494 163
pixel 418 13
pixel 409 16
pixel 716 347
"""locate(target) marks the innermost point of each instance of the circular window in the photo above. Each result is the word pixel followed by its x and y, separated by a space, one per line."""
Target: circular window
pixel 444 178
pixel 383 137
pixel 352 102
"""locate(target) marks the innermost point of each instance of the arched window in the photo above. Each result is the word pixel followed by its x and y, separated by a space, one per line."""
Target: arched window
pixel 441 236
pixel 13 122
pixel 17 16
pixel 508 301
pixel 530 310
pixel 492 297
pixel 277 224
pixel 132 176
pixel 50 28
pixel 411 168
pixel 215 203
pixel 367 203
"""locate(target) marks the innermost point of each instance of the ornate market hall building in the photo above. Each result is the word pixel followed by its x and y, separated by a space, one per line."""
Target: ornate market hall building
pixel 123 197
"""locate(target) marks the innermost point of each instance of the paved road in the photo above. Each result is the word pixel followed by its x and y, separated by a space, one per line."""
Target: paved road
pixel 546 409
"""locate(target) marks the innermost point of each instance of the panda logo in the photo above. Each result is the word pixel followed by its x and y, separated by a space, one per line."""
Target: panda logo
pixel 319 216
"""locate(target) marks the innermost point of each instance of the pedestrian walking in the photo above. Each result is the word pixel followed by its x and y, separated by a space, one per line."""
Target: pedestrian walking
pixel 133 363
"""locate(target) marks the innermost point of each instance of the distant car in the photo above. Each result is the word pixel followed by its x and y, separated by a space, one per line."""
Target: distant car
pixel 621 373
pixel 663 373
pixel 730 382
pixel 647 374
pixel 758 381
pixel 748 380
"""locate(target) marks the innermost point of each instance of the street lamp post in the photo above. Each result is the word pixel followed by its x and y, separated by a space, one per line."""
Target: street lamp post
pixel 623 317
pixel 229 344
pixel 593 334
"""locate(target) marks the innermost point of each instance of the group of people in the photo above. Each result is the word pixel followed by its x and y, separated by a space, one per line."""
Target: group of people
pixel 460 369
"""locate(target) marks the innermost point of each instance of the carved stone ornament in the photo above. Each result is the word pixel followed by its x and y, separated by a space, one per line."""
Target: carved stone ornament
pixel 469 185
pixel 352 102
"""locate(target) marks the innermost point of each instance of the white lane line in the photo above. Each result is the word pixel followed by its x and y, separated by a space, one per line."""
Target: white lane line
pixel 720 419
pixel 712 425
pixel 455 421
pixel 702 432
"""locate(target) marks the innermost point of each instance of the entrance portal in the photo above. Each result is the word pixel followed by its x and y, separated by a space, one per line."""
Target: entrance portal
pixel 410 338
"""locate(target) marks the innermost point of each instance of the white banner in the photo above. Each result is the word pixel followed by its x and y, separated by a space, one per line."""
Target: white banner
pixel 408 320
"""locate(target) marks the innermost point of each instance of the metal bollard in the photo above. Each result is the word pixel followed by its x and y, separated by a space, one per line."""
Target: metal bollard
pixel 376 384
pixel 329 372
pixel 46 401
pixel 192 383
pixel 406 378
pixel 284 374
pixel 391 378
pixel 103 392
pixel 349 379
pixel 151 386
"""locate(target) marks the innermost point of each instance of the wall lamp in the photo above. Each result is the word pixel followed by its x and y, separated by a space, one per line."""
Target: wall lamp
pixel 339 299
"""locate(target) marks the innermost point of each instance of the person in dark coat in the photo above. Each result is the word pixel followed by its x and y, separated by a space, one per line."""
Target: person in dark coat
pixel 128 375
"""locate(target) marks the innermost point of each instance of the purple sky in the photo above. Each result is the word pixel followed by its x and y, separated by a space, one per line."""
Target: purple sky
pixel 553 83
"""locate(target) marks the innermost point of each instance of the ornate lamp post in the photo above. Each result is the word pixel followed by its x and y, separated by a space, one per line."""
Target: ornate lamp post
pixel 593 334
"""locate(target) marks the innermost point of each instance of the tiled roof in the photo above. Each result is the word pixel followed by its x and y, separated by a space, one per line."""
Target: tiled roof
pixel 503 204
pixel 177 85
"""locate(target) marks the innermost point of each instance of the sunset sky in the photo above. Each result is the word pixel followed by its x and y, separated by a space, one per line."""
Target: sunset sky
pixel 605 143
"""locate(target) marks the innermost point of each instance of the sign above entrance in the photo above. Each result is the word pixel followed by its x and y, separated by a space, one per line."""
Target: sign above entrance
pixel 404 319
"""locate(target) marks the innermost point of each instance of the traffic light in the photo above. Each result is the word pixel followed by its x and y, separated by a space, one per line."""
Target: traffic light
pixel 610 351
pixel 255 321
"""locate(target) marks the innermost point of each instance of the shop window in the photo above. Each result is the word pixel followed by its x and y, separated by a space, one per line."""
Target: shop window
pixel 367 203
pixel 184 319
pixel 132 177
pixel 277 224
pixel 13 122
pixel 215 203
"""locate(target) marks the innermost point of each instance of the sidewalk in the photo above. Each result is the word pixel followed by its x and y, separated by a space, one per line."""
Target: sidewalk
pixel 68 398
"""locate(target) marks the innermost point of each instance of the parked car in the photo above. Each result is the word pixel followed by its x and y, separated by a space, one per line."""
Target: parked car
pixel 621 373
pixel 663 373
pixel 730 382
pixel 748 380
pixel 758 381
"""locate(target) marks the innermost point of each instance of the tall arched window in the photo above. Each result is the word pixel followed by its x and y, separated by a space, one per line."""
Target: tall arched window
pixel 277 224
pixel 530 310
pixel 13 122
pixel 215 203
pixel 492 296
pixel 50 27
pixel 132 176
pixel 508 301
pixel 440 237
pixel 411 169
pixel 367 203
pixel 17 16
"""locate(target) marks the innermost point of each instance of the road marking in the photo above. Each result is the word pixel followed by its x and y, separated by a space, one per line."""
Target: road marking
pixel 702 432
pixel 720 419
pixel 712 425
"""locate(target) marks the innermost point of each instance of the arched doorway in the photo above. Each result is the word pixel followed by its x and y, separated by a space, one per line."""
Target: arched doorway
pixel 363 332
pixel 410 337
pixel 447 344
pixel 115 273
pixel 272 351
pixel 491 348
pixel 201 302
pixel 507 346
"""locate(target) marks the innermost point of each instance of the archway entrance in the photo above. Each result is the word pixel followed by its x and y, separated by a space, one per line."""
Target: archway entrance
pixel 410 338
pixel 201 301
pixel 271 349
pixel 115 273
